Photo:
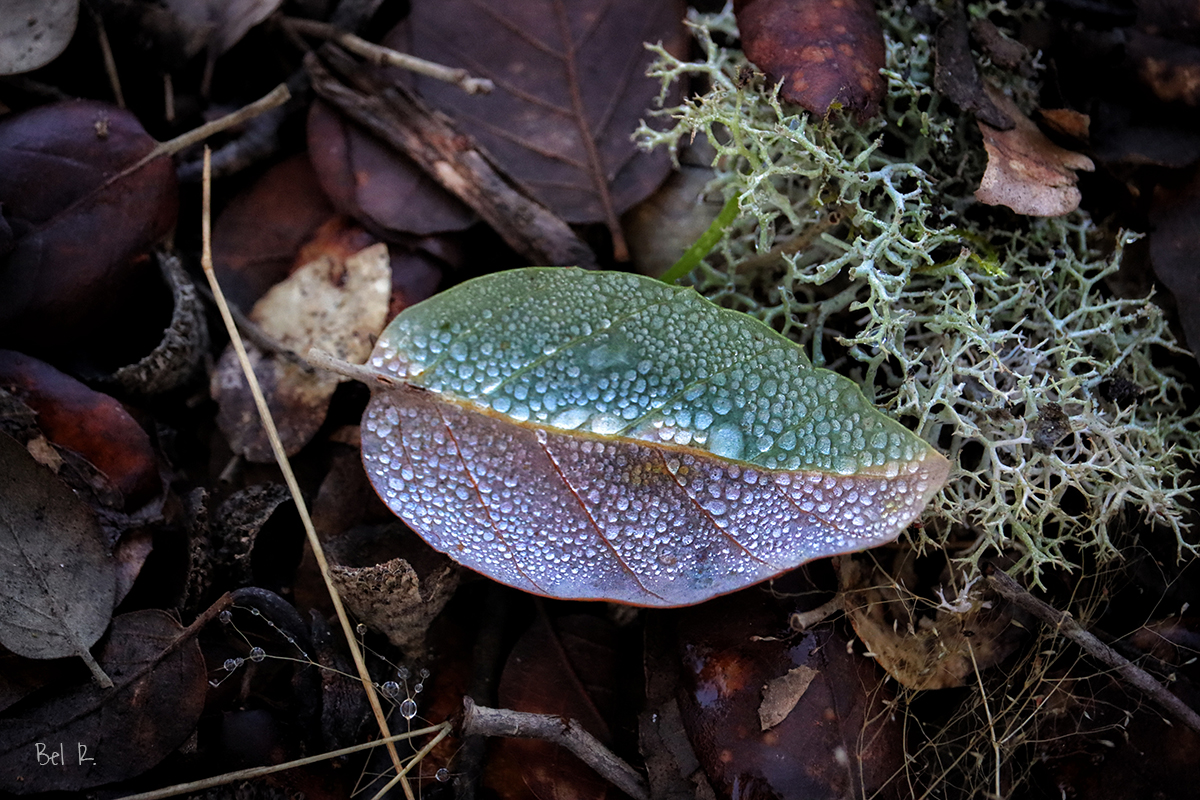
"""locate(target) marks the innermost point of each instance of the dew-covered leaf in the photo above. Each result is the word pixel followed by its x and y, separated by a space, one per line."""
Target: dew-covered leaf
pixel 57 582
pixel 607 436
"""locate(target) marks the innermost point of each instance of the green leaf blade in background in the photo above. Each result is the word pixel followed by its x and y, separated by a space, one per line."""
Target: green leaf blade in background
pixel 605 436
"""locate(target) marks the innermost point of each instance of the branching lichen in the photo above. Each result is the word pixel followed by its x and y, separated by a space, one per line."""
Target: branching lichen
pixel 991 333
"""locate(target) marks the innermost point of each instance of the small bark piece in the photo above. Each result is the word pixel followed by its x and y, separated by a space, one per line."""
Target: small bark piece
pixel 823 51
pixel 452 158
pixel 1026 171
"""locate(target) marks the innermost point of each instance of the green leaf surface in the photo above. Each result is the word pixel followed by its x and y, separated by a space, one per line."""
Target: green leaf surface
pixel 598 435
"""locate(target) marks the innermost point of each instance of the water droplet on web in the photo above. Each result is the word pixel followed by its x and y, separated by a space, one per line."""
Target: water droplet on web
pixel 424 673
pixel 232 663
pixel 226 617
pixel 361 629
pixel 256 612
pixel 257 654
pixel 402 673
pixel 390 689
pixel 418 688
pixel 408 709
pixel 442 775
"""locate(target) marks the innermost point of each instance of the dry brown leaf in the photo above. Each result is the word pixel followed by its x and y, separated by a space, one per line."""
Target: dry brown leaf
pixel 936 650
pixel 1026 171
pixel 781 694
pixel 338 306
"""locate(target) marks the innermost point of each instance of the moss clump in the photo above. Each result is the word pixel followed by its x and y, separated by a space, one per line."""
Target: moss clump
pixel 994 335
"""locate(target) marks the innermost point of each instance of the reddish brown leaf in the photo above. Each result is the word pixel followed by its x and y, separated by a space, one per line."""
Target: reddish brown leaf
pixel 376 185
pixel 823 51
pixel 738 663
pixel 256 237
pixel 87 422
pixel 570 89
pixel 157 700
pixel 567 669
pixel 80 225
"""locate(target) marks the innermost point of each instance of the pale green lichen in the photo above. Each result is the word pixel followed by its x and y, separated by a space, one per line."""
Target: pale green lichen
pixel 979 327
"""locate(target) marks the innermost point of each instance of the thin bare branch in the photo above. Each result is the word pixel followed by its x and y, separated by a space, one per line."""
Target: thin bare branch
pixel 386 57
pixel 1068 627
pixel 481 721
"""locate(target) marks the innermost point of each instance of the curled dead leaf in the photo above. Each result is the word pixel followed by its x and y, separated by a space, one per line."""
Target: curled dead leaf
pixel 1026 171
pixel 393 599
pixel 925 647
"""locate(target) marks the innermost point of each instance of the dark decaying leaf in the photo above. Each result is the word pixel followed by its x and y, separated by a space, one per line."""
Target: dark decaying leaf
pixel 376 185
pixel 956 76
pixel 79 228
pixel 570 90
pixel 566 669
pixel 1175 215
pixel 823 51
pixel 334 303
pixel 603 435
pixel 832 733
pixel 154 706
pixel 90 423
pixel 220 23
pixel 34 32
pixel 58 582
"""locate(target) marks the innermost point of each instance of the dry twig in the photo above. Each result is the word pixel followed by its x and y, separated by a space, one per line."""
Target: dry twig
pixel 449 157
pixel 386 57
pixel 480 721
pixel 290 478
pixel 1068 627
